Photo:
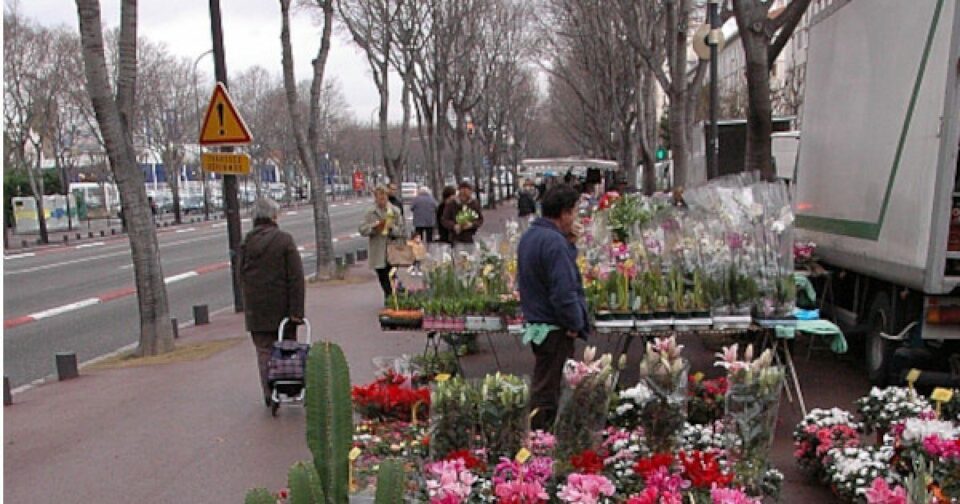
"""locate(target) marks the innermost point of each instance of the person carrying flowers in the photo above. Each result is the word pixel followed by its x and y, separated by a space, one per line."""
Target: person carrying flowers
pixel 462 216
pixel 551 297
pixel 382 223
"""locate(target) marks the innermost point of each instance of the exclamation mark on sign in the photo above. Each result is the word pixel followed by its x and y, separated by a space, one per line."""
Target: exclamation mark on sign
pixel 220 115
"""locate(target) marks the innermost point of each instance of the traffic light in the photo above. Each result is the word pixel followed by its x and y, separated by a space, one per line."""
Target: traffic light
pixel 661 154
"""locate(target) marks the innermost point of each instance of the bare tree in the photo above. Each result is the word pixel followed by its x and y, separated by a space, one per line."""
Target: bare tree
pixel 763 38
pixel 372 25
pixel 114 113
pixel 308 143
pixel 788 99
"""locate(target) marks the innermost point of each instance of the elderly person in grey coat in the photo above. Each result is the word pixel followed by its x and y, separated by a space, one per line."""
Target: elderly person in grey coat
pixel 382 223
pixel 271 277
pixel 424 209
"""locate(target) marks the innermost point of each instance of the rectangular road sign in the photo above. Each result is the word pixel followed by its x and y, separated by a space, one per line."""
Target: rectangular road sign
pixel 227 163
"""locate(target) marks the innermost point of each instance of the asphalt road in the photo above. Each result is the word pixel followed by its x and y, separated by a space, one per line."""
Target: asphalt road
pixel 71 289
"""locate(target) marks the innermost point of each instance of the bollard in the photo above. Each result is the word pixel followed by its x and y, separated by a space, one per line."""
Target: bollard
pixel 339 260
pixel 201 314
pixel 78 236
pixel 66 239
pixel 176 327
pixel 66 365
pixel 362 254
pixel 7 396
pixel 113 232
pixel 102 233
pixel 90 234
pixel 350 258
pixel 23 243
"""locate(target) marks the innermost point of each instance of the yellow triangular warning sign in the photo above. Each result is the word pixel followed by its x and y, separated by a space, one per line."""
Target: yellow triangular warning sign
pixel 222 125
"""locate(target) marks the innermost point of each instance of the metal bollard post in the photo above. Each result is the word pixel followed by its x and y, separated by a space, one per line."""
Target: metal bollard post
pixel 201 314
pixel 350 258
pixel 7 396
pixel 339 260
pixel 176 327
pixel 66 366
pixel 66 239
pixel 78 236
pixel 90 234
pixel 113 232
pixel 102 233
pixel 23 243
pixel 362 254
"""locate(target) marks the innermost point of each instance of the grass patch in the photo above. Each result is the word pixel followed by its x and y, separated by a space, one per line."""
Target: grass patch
pixel 181 353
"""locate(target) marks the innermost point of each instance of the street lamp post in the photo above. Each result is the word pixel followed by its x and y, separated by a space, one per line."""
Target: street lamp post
pixel 714 40
pixel 196 102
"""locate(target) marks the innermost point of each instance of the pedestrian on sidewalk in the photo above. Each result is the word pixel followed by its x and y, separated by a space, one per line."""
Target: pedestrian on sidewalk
pixel 424 208
pixel 382 223
pixel 461 228
pixel 449 192
pixel 271 277
pixel 551 297
pixel 527 200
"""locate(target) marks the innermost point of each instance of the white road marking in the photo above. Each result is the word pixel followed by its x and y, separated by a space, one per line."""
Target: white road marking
pixel 219 225
pixel 19 256
pixel 88 245
pixel 301 248
pixel 181 276
pixel 186 230
pixel 126 266
pixel 292 213
pixel 335 240
pixel 245 220
pixel 65 308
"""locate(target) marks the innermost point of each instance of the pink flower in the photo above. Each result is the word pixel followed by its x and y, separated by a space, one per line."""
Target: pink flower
pixel 667 483
pixel 938 447
pixel 518 492
pixel 585 489
pixel 730 496
pixel 881 493
pixel 450 482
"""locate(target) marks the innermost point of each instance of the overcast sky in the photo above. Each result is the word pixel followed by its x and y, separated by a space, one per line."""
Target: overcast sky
pixel 251 37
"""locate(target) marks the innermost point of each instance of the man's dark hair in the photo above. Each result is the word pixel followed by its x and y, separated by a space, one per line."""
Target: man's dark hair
pixel 559 198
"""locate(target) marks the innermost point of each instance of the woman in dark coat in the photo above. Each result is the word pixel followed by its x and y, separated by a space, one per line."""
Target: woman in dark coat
pixel 448 193
pixel 271 278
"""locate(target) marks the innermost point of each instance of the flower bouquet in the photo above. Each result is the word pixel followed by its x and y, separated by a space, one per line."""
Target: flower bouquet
pixel 752 404
pixel 466 217
pixel 522 482
pixel 819 432
pixel 664 373
pixel 882 408
pixel 851 471
pixel 453 421
pixel 503 407
pixel 584 402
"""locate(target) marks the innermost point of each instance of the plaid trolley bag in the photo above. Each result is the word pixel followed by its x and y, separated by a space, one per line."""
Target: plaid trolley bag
pixel 286 369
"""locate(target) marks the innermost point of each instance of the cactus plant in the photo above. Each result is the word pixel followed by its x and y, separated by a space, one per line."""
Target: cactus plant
pixel 330 437
pixel 329 418
pixel 260 496
pixel 304 483
pixel 390 482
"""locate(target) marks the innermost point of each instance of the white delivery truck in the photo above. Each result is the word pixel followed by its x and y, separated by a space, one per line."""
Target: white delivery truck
pixel 877 184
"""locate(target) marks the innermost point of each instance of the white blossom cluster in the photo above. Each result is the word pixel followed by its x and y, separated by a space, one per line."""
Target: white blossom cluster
pixel 883 407
pixel 915 430
pixel 852 470
pixel 702 437
pixel 829 418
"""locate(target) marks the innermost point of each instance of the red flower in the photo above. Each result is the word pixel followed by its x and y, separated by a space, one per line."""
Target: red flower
pixel 469 460
pixel 587 462
pixel 703 470
pixel 647 465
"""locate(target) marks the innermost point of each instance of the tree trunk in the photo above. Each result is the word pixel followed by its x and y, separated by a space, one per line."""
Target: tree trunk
pixel 156 333
pixel 171 160
pixel 678 140
pixel 759 114
pixel 35 176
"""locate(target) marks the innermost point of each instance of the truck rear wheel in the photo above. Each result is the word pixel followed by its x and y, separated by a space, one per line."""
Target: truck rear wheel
pixel 878 349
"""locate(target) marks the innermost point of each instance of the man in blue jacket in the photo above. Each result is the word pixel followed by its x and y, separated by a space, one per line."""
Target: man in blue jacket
pixel 551 296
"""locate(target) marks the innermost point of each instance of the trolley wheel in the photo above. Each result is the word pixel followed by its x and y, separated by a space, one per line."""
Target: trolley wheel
pixel 274 407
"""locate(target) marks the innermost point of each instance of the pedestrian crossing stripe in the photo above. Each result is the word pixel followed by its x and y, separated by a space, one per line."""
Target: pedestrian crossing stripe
pixel 222 124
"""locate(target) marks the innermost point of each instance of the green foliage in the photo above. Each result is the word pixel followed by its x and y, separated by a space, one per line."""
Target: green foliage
pixel 329 418
pixel 304 483
pixel 391 482
pixel 259 496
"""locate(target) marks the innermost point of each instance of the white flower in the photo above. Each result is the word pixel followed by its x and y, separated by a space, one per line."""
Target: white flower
pixel 916 430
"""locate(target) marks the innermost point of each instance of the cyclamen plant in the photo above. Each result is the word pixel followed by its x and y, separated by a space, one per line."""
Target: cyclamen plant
pixel 819 432
pixel 883 407
pixel 664 373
